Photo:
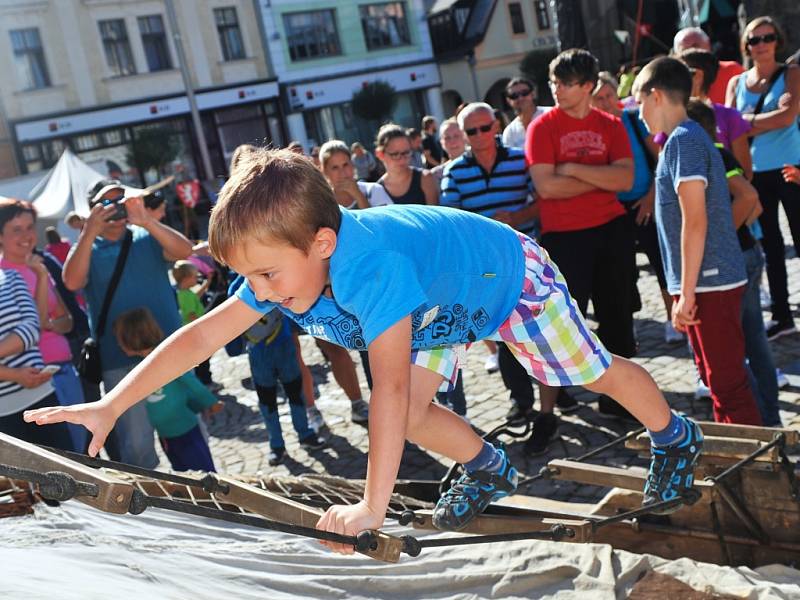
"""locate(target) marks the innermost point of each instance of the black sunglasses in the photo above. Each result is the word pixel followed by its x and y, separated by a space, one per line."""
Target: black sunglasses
pixel 483 129
pixel 515 95
pixel 768 38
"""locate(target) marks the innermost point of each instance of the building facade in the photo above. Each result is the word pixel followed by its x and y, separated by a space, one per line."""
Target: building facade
pixel 102 77
pixel 480 45
pixel 324 51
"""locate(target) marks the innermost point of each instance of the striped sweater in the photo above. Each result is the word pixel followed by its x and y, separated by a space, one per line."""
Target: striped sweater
pixel 18 317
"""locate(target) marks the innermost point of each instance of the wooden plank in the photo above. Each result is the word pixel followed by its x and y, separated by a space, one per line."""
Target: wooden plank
pixel 114 495
pixel 278 508
pixel 722 447
pixel 496 524
pixel 751 432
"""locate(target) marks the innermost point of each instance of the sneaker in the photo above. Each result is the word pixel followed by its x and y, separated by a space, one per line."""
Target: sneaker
pixel 672 468
pixel 312 442
pixel 315 421
pixel 783 380
pixel 780 328
pixel 471 494
pixel 609 407
pixel 672 335
pixel 276 456
pixel 545 430
pixel 359 412
pixel 517 415
pixel 492 364
pixel 701 390
pixel 566 404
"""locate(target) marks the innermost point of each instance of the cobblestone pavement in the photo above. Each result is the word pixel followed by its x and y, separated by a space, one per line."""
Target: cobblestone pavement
pixel 239 443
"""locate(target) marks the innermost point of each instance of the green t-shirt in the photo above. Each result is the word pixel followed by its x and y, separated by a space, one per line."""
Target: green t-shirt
pixel 172 408
pixel 189 303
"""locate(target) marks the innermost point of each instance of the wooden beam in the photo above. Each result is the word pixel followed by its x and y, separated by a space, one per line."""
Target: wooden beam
pixel 713 447
pixel 114 496
pixel 278 508
pixel 628 479
pixel 751 432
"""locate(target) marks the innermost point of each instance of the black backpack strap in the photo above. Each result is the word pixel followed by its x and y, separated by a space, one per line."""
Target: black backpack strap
pixel 112 286
pixel 772 80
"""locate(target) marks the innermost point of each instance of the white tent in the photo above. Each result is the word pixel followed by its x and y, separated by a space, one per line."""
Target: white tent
pixel 63 189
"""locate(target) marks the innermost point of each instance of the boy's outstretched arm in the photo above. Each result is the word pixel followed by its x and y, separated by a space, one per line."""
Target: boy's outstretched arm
pixel 692 200
pixel 181 351
pixel 389 360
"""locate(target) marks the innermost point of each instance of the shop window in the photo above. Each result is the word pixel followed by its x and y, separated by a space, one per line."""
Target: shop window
pixel 542 16
pixel 312 34
pixel 154 41
pixel 517 20
pixel 117 47
pixel 86 142
pixel 385 25
pixel 29 58
pixel 230 36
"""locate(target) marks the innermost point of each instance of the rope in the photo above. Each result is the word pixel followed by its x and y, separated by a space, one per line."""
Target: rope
pixel 53 485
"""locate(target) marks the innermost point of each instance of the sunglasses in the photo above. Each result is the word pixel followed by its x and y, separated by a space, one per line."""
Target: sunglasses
pixel 755 40
pixel 472 131
pixel 515 95
pixel 400 154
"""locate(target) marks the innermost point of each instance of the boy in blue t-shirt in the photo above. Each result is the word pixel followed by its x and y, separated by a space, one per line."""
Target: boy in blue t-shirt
pixel 702 261
pixel 410 285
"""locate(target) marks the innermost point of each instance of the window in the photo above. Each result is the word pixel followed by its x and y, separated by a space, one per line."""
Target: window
pixel 29 58
pixel 154 40
pixel 517 20
pixel 311 34
pixel 230 36
pixel 542 16
pixel 117 47
pixel 385 25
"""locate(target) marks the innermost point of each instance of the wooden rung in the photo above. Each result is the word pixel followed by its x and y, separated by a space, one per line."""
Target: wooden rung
pixel 752 432
pixel 627 479
pixel 495 524
pixel 277 508
pixel 114 495
pixel 724 447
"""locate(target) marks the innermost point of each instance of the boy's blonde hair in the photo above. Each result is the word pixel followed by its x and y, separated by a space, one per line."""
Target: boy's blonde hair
pixel 137 330
pixel 183 269
pixel 271 195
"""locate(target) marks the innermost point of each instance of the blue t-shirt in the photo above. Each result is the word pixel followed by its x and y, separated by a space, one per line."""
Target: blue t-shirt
pixel 144 283
pixel 642 174
pixel 458 275
pixel 689 154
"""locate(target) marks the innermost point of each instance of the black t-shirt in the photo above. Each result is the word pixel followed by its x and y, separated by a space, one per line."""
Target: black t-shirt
pixel 746 239
pixel 429 142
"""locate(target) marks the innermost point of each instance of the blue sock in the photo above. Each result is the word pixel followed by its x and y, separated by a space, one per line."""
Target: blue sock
pixel 672 434
pixel 488 459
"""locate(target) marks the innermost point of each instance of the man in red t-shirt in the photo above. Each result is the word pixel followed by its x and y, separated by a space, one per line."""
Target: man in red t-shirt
pixel 694 37
pixel 580 160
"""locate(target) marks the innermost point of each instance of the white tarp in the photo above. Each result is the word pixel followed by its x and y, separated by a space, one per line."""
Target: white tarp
pixel 74 552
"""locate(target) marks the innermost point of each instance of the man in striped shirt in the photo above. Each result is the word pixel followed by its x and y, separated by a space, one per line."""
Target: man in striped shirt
pixel 493 180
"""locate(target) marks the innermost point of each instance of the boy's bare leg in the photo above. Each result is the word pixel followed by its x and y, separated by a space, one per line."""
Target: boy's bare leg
pixel 434 427
pixel 305 372
pixel 343 368
pixel 634 388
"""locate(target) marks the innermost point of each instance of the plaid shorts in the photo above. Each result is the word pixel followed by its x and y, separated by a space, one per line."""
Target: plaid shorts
pixel 546 332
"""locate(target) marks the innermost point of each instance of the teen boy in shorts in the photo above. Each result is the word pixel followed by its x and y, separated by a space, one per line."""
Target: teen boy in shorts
pixel 702 261
pixel 408 284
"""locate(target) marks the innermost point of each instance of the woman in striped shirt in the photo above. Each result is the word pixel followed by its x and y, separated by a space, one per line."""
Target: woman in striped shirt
pixel 23 385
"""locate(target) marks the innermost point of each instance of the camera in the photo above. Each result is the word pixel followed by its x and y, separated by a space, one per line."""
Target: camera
pixel 121 212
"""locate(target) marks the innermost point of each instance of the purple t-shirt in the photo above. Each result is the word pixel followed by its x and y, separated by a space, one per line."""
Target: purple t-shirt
pixel 730 124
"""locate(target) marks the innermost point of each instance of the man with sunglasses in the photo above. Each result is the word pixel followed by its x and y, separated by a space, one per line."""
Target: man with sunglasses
pixel 580 161
pixel 144 283
pixel 521 97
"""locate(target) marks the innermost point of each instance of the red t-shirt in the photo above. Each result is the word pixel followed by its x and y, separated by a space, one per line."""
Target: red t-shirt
pixel 598 139
pixel 727 70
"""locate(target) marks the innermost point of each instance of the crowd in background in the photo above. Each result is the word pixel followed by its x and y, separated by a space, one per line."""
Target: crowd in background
pixel 582 178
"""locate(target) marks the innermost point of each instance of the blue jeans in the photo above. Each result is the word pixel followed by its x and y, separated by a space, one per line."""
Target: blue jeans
pixel 133 429
pixel 756 345
pixel 70 391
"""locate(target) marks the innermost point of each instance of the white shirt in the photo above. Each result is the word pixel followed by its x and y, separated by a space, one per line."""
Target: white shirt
pixel 514 134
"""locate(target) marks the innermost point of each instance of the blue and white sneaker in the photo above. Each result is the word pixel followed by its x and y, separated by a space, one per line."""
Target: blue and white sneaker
pixel 672 468
pixel 471 494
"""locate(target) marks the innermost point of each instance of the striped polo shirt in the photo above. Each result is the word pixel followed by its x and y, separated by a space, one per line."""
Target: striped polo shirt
pixel 466 185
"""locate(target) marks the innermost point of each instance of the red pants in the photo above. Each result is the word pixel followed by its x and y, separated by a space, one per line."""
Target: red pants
pixel 718 344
